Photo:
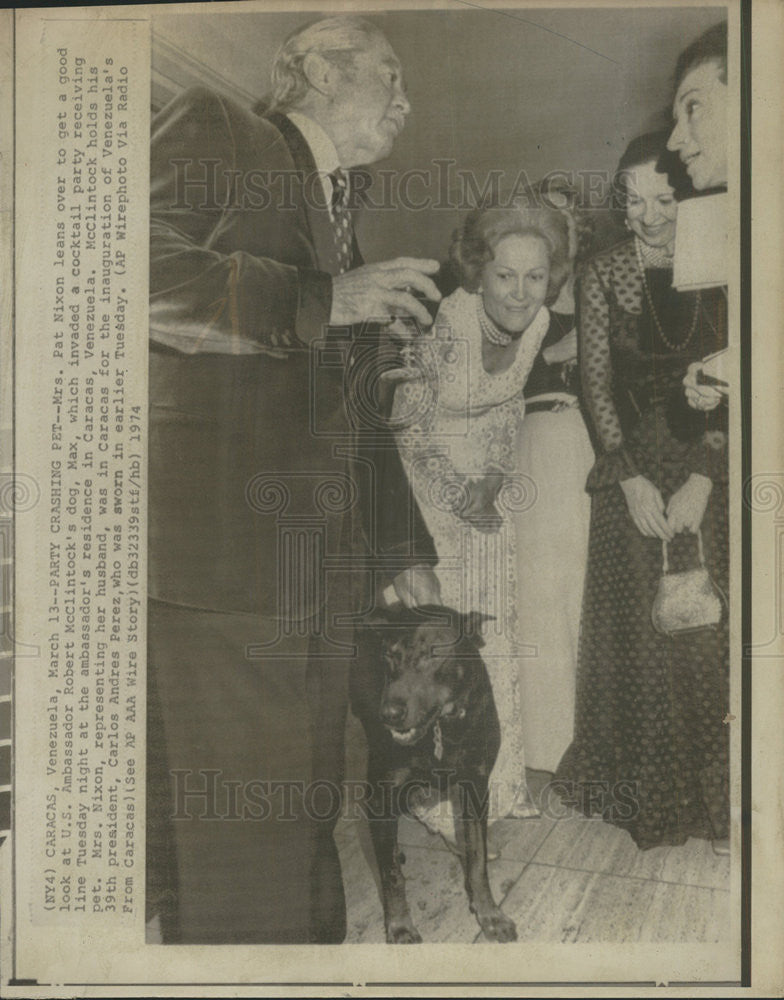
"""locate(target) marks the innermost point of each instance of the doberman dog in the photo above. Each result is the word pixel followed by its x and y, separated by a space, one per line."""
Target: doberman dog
pixel 424 698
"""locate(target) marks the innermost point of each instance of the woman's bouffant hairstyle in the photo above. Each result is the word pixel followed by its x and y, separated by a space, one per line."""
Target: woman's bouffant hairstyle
pixel 337 39
pixel 474 244
pixel 556 192
pixel 649 148
pixel 711 46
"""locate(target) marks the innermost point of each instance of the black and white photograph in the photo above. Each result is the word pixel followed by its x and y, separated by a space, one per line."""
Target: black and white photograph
pixel 438 636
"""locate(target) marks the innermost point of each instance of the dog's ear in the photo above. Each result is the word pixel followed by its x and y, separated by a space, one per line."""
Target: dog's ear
pixel 471 625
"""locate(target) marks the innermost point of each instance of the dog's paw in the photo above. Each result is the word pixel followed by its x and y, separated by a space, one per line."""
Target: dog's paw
pixel 403 933
pixel 496 926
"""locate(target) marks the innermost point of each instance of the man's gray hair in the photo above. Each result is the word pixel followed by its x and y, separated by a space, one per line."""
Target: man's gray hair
pixel 337 39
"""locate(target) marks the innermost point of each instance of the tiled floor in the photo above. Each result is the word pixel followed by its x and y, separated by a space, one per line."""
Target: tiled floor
pixel 560 879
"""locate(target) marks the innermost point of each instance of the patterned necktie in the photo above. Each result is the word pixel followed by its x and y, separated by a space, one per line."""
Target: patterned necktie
pixel 342 225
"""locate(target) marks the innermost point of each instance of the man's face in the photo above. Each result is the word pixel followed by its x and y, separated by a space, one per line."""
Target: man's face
pixel 700 133
pixel 372 104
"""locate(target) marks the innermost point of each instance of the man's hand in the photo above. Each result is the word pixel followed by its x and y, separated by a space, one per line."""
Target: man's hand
pixel 686 508
pixel 417 586
pixel 699 397
pixel 646 508
pixel 382 291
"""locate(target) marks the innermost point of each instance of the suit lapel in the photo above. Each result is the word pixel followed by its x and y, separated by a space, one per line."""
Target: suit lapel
pixel 315 205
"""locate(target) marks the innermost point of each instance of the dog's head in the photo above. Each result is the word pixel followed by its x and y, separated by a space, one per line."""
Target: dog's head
pixel 431 660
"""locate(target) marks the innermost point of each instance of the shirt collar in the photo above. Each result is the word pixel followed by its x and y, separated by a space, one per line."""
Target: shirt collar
pixel 322 147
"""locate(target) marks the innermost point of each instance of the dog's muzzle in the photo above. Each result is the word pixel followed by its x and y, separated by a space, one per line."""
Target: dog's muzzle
pixel 393 713
pixel 408 737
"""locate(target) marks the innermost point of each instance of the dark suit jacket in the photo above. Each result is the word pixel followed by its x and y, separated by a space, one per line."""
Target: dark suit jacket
pixel 249 422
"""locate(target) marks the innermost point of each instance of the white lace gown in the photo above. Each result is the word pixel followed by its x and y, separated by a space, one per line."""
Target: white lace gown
pixel 457 422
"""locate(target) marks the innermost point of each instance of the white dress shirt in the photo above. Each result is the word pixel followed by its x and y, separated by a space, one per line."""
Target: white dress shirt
pixel 323 149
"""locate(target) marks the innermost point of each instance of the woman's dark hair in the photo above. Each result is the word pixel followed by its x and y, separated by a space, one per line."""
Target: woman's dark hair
pixel 474 244
pixel 711 46
pixel 649 148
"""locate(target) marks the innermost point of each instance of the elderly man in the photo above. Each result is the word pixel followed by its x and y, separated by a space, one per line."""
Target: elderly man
pixel 266 542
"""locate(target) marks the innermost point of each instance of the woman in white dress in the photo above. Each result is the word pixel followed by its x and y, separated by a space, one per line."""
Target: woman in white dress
pixel 456 426
pixel 554 451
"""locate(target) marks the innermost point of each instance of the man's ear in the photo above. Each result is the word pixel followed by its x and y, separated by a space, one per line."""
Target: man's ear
pixel 320 73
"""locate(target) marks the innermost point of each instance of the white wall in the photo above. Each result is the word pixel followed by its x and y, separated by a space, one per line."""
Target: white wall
pixel 536 89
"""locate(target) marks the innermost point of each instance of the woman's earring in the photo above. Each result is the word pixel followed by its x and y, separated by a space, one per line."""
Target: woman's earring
pixel 626 223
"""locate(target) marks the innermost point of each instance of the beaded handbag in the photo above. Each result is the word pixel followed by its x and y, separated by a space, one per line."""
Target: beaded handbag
pixel 687 601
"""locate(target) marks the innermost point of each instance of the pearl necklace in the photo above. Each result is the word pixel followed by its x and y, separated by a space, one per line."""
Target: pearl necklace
pixel 489 329
pixel 653 256
pixel 698 298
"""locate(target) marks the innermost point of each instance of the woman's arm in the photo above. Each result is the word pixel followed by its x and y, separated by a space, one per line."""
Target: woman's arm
pixel 644 500
pixel 425 454
pixel 707 461
pixel 596 368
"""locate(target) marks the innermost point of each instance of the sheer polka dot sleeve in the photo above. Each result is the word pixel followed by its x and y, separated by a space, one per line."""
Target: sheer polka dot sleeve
pixel 594 331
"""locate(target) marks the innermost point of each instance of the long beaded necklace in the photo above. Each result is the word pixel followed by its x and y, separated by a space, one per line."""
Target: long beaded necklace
pixel 489 329
pixel 698 298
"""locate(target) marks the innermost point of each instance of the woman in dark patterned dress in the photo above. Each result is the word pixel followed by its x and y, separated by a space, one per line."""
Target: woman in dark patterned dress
pixel 650 751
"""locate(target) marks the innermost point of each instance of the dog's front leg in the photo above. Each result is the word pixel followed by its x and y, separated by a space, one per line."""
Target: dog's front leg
pixel 472 830
pixel 399 926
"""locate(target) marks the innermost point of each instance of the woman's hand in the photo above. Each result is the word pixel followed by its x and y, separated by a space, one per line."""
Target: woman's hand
pixel 646 508
pixel 699 397
pixel 480 510
pixel 686 508
pixel 562 350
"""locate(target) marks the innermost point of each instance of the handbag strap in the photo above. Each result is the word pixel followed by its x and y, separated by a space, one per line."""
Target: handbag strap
pixel 666 558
